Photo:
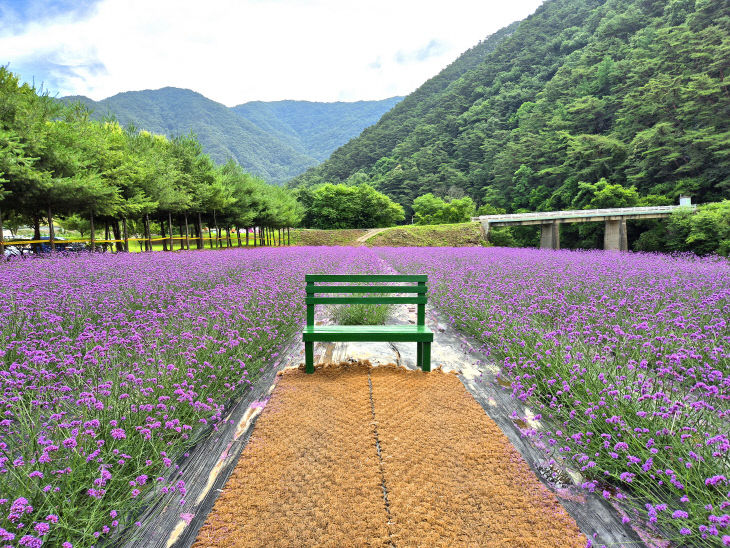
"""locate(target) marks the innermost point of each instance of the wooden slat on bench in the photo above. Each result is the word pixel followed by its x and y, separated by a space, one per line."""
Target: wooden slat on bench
pixel 312 289
pixel 374 328
pixel 365 278
pixel 368 333
pixel 366 300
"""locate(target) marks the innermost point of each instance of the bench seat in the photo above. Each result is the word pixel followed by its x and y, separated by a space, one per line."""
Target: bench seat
pixel 367 333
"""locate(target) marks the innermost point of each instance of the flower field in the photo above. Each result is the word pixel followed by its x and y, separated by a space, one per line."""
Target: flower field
pixel 626 355
pixel 114 366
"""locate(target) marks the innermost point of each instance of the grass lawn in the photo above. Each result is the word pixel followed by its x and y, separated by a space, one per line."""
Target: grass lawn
pixel 307 236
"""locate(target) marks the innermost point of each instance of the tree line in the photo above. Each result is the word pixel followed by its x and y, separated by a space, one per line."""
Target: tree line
pixel 704 231
pixel 57 162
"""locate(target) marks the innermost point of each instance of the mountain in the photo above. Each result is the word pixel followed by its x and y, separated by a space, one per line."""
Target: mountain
pixel 316 128
pixel 378 141
pixel 275 140
pixel 583 102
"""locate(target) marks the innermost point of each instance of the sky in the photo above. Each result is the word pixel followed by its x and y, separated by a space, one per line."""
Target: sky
pixel 233 51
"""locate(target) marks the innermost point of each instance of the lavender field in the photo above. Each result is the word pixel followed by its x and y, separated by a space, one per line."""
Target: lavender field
pixel 626 357
pixel 114 366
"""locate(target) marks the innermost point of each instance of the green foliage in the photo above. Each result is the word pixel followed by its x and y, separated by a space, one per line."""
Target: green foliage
pixel 502 237
pixel 427 209
pixel 604 195
pixel 430 210
pixel 489 209
pixel 706 232
pixel 361 314
pixel 55 160
pixel 76 223
pixel 459 210
pixel 274 140
pixel 626 93
pixel 330 206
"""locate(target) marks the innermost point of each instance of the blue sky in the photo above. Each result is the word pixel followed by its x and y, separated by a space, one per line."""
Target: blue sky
pixel 18 16
pixel 234 51
pixel 15 14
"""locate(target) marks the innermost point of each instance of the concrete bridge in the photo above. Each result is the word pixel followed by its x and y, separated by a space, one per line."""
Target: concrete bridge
pixel 615 219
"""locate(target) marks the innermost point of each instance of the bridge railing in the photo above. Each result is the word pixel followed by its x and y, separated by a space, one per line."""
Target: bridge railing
pixel 578 213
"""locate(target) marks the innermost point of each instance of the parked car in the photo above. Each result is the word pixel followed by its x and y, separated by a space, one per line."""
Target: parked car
pixel 61 245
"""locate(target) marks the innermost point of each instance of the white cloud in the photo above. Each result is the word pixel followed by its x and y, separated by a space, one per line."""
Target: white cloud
pixel 234 51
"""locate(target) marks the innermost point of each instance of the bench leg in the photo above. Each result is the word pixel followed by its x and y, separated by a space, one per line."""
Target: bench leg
pixel 426 365
pixel 419 355
pixel 309 357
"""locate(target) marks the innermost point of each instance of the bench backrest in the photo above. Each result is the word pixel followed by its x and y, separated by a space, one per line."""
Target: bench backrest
pixel 419 290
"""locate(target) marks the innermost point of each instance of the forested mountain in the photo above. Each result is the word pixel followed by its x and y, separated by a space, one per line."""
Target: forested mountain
pixel 378 141
pixel 573 107
pixel 316 129
pixel 275 140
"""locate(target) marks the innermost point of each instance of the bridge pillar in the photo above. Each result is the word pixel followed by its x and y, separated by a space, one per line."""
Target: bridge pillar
pixel 485 230
pixel 614 238
pixel 550 235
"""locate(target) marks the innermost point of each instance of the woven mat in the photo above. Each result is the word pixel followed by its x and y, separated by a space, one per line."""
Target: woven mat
pixel 382 456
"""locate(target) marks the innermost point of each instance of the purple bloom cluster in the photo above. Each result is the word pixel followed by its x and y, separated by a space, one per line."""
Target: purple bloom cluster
pixel 625 356
pixel 113 366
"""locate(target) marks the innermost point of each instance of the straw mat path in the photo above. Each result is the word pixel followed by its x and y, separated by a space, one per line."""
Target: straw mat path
pixel 382 456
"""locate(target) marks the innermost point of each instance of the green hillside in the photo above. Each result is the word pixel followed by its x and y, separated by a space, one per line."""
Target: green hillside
pixel 378 141
pixel 580 102
pixel 447 235
pixel 316 129
pixel 273 140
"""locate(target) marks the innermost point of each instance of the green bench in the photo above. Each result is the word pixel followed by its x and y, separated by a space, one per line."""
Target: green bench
pixel 419 333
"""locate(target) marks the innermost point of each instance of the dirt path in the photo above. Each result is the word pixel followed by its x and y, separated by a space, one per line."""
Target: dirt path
pixel 359 456
pixel 369 234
